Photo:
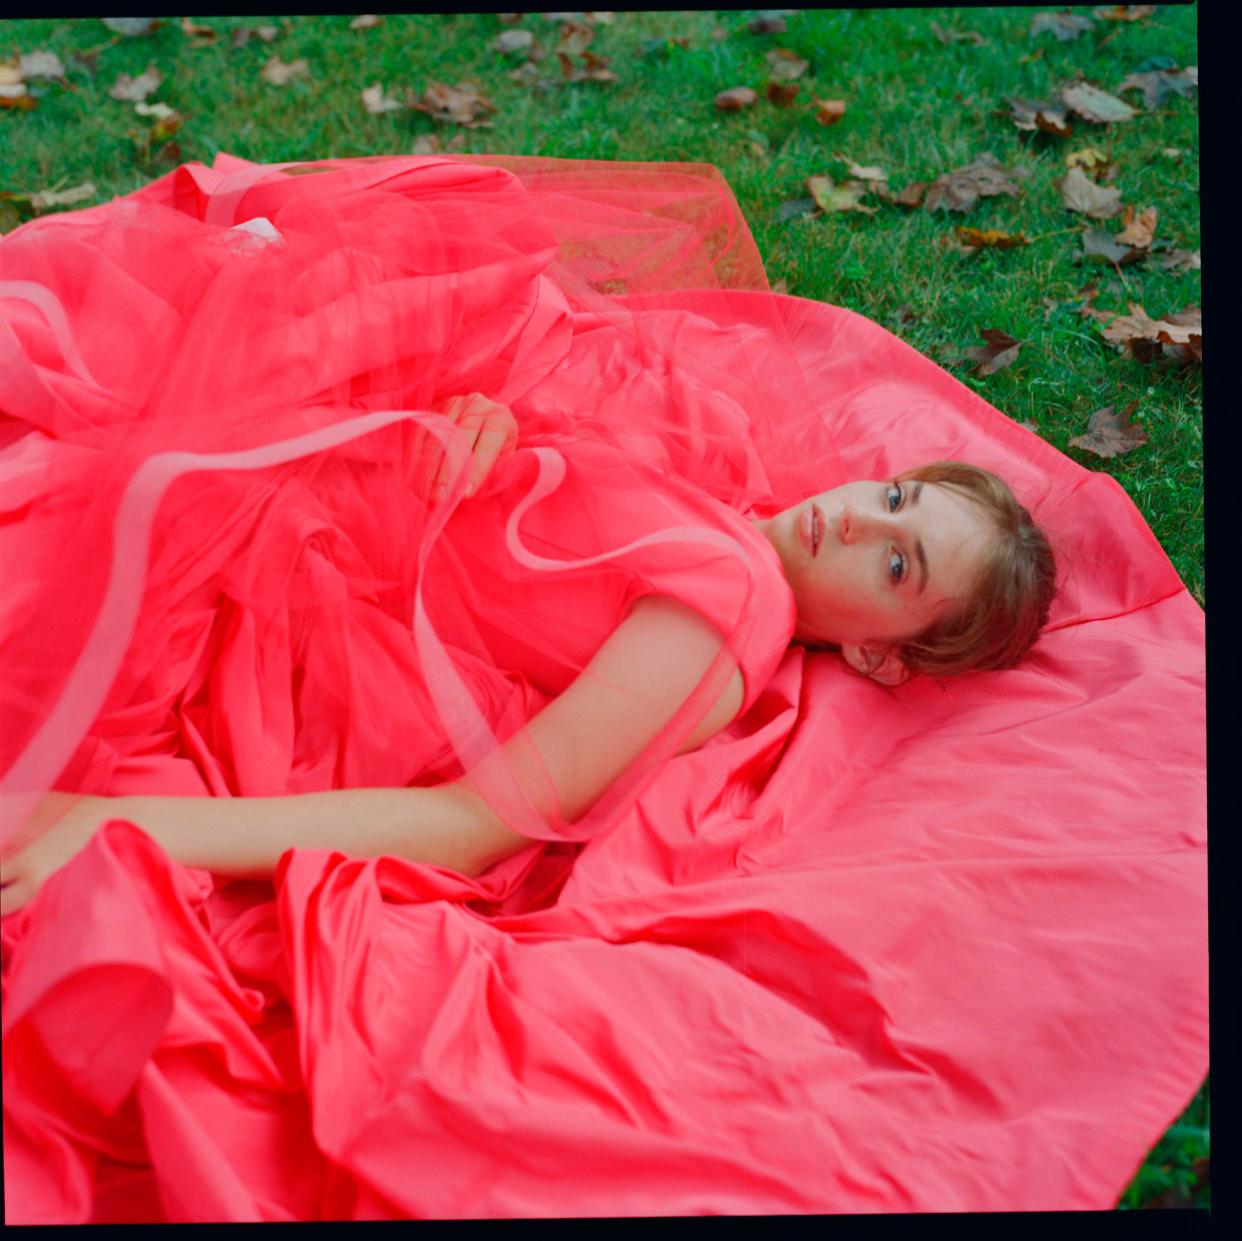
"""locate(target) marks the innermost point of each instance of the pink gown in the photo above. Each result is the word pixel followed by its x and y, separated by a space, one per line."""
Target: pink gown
pixel 937 948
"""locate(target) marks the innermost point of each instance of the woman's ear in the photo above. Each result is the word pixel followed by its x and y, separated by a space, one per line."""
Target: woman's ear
pixel 885 667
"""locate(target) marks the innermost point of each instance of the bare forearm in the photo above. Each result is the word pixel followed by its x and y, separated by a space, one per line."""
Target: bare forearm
pixel 245 836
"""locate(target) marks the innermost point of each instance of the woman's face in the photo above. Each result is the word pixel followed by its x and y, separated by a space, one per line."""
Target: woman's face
pixel 873 563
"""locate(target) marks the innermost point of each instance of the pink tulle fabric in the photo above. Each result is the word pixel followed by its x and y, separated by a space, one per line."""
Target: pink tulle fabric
pixel 933 948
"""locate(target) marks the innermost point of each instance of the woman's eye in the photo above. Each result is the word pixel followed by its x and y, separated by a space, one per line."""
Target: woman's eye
pixel 894 496
pixel 896 566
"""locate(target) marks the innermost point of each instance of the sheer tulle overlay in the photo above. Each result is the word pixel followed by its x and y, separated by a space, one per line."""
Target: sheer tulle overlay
pixel 940 947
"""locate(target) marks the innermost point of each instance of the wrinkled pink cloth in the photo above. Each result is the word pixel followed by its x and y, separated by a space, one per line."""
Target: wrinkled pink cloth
pixel 933 948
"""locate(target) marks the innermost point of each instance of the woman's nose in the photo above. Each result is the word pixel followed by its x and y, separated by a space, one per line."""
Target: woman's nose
pixel 854 525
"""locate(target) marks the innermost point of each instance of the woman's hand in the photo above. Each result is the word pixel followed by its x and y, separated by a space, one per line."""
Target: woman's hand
pixel 493 433
pixel 60 828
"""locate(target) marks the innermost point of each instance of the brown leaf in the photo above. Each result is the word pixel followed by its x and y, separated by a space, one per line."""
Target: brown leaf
pixel 843 197
pixel 365 21
pixel 242 35
pixel 202 35
pixel 1139 334
pixel 1080 193
pixel 1160 84
pixel 1138 230
pixel 575 38
pixel 770 21
pixel 1095 105
pixel 1124 12
pixel 911 195
pixel 829 111
pixel 167 121
pixel 735 98
pixel 137 89
pixel 960 189
pixel 455 105
pixel 16 97
pixel 132 27
pixel 1064 26
pixel 278 73
pixel 376 102
pixel 979 238
pixel 1109 434
pixel 782 93
pixel 1051 118
pixel 957 36
pixel 860 171
pixel 426 144
pixel 1181 260
pixel 785 65
pixel 1000 351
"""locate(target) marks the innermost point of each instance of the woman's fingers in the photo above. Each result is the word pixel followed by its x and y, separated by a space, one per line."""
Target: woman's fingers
pixel 494 438
pixel 13 896
pixel 491 430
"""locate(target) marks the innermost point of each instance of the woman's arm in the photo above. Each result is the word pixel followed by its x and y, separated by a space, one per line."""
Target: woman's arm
pixel 584 739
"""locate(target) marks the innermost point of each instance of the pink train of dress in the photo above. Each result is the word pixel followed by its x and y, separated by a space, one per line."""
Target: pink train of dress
pixel 936 948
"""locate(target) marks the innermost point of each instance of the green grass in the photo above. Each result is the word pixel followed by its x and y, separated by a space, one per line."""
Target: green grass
pixel 916 107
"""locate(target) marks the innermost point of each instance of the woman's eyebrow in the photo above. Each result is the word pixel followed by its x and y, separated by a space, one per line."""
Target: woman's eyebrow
pixel 920 554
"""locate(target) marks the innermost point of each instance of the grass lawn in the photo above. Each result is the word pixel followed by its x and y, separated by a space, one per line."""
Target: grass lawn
pixel 925 92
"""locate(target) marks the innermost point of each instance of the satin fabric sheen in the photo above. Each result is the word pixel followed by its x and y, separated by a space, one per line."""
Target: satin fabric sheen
pixel 934 948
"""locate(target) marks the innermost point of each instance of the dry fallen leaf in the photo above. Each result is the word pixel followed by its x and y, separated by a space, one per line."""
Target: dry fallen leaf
pixel 782 94
pixel 860 171
pixel 593 69
pixel 829 111
pixel 957 36
pixel 376 102
pixel 457 105
pixel 132 27
pixel 785 65
pixel 1064 26
pixel 161 111
pixel 426 144
pixel 1090 159
pixel 1000 351
pixel 202 35
pixel 510 41
pixel 735 98
pixel 1158 85
pixel 42 65
pixel 1181 260
pixel 769 21
pixel 1142 336
pixel 910 195
pixel 364 21
pixel 1138 230
pixel 575 38
pixel 960 189
pixel 1124 12
pixel 1109 434
pixel 1051 118
pixel 979 238
pixel 241 36
pixel 794 209
pixel 1098 244
pixel 844 197
pixel 137 89
pixel 43 199
pixel 1080 193
pixel 278 73
pixel 1095 105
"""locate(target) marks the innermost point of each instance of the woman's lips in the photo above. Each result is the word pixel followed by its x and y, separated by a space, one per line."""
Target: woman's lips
pixel 811 528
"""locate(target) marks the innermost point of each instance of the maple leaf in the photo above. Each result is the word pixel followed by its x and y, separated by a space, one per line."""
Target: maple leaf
pixel 960 189
pixel 1090 160
pixel 1095 105
pixel 1181 260
pixel 1080 193
pixel 1141 335
pixel 735 98
pixel 241 36
pixel 132 27
pixel 201 35
pixel 844 197
pixel 510 41
pixel 365 21
pixel 137 89
pixel 860 171
pixel 910 195
pixel 278 73
pixel 1099 244
pixel 785 65
pixel 1109 433
pixel 575 38
pixel 769 21
pixel 1051 118
pixel 376 102
pixel 1000 351
pixel 457 105
pixel 1138 230
pixel 782 94
pixel 829 111
pixel 1160 84
pixel 1065 26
